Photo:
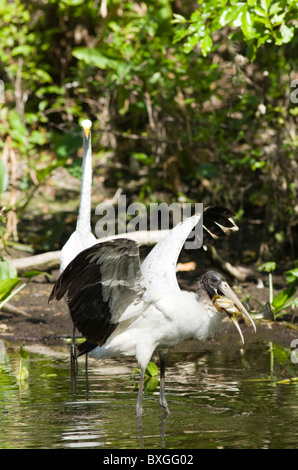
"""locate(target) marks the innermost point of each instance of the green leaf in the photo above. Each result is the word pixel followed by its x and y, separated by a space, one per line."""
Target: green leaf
pixel 143 158
pixel 206 44
pixel 7 270
pixel 190 43
pixel 267 267
pixel 281 354
pixel 265 4
pixel 178 19
pixel 67 144
pixel 3 177
pixel 151 384
pixel 152 369
pixel 280 300
pixel 7 286
pixel 286 34
pixel 96 58
pixel 34 272
pixel 44 172
pixel 292 276
pixel 72 3
pixel 274 8
pixel 259 11
pixel 229 15
pixel 246 25
pixel 18 129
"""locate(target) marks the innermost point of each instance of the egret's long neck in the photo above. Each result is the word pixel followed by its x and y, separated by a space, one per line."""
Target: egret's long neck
pixel 83 222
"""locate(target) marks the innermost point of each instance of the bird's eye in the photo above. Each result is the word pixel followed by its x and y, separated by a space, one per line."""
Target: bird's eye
pixel 220 293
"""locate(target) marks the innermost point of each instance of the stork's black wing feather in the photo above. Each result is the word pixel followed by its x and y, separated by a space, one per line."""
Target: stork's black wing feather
pixel 213 218
pixel 99 284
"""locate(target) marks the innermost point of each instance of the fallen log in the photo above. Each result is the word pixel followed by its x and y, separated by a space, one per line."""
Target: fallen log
pixel 51 260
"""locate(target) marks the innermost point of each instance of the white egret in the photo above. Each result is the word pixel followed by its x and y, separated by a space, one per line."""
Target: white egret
pixel 125 308
pixel 82 237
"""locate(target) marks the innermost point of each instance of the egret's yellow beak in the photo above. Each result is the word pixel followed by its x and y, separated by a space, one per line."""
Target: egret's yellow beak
pixel 86 125
pixel 231 305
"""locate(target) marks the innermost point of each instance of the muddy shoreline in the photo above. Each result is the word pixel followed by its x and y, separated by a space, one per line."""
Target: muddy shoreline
pixel 50 324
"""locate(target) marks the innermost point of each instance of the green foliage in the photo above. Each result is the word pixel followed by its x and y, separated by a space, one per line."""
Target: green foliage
pixel 260 22
pixel 282 302
pixel 188 99
pixel 267 267
pixel 151 377
pixel 10 283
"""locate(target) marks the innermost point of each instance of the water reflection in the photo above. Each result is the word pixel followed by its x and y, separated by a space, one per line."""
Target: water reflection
pixel 219 399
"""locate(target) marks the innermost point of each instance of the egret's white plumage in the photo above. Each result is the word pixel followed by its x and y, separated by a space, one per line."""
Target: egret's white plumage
pixel 82 237
pixel 123 307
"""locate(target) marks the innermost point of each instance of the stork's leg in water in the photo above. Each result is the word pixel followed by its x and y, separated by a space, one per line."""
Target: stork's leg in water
pixel 139 407
pixel 162 392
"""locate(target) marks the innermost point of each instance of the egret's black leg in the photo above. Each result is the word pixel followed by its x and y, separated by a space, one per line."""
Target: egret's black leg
pixel 162 393
pixel 140 394
pixel 73 353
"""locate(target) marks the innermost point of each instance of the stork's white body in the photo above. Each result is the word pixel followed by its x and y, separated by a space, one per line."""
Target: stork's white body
pixel 166 322
pixel 165 315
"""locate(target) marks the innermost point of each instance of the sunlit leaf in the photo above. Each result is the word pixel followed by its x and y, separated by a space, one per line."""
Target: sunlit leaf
pixel 152 369
pixel 267 267
pixel 206 44
pixel 281 299
pixel 246 25
pixel 7 270
pixel 7 286
pixel 286 34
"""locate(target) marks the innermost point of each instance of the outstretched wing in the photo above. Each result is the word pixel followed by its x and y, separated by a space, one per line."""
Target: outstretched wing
pixel 99 284
pixel 216 224
pixel 159 267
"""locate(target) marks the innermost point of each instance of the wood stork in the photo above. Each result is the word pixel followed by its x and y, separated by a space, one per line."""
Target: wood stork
pixel 82 237
pixel 125 308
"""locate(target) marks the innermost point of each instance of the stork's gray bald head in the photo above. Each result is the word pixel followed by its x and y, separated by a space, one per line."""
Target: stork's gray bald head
pixel 213 287
pixel 210 283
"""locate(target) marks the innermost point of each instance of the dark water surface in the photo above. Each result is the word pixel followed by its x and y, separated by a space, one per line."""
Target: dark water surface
pixel 218 399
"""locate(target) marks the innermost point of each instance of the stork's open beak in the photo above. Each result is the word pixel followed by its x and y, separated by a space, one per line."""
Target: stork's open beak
pixel 86 125
pixel 231 305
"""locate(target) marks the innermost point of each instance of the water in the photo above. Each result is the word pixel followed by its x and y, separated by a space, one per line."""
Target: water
pixel 226 398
